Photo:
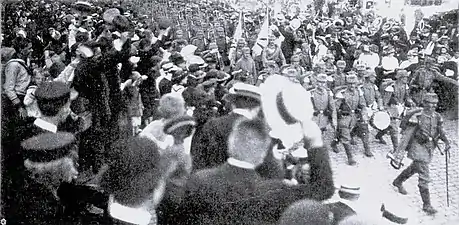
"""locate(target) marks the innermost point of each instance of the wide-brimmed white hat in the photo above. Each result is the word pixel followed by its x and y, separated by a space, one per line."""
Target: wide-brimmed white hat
pixel 285 105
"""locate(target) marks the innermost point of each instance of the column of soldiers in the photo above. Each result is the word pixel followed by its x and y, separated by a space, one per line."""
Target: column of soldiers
pixel 347 102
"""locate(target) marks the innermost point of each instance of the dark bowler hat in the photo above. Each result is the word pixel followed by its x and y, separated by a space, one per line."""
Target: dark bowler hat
pixel 194 68
pixel 121 23
pixel 52 91
pixel 186 123
pixel 48 146
pixel 177 59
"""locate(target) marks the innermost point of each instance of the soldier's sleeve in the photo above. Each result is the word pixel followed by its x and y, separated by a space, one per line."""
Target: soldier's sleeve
pixel 408 100
pixel 282 57
pixel 378 96
pixel 441 131
pixel 441 77
pixel 332 108
pixel 362 105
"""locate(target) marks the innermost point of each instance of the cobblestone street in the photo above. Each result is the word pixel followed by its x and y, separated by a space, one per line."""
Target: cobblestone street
pixel 375 176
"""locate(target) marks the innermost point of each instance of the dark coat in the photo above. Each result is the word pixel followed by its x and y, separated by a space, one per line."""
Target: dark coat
pixel 232 195
pixel 209 146
pixel 35 204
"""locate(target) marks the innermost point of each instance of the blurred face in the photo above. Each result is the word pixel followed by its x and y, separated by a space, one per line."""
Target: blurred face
pixel 434 37
pixel 212 65
pixel 246 53
pixel 321 84
pixel 296 61
pixel 352 86
pixel 179 34
pixel 220 33
pixel 200 35
pixel 430 106
pixel 27 51
pixel 372 79
pixel 404 80
pixel 39 78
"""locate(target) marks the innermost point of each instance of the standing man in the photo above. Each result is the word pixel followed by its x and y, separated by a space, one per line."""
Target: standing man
pixel 16 79
pixel 429 125
pixel 424 76
pixel 351 111
pixel 247 65
pixel 396 96
pixel 324 104
pixel 209 146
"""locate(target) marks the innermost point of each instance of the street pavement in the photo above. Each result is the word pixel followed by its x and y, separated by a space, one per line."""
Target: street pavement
pixel 375 176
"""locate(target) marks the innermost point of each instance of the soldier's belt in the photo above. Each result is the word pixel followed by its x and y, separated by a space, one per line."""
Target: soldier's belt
pixel 347 113
pixel 318 112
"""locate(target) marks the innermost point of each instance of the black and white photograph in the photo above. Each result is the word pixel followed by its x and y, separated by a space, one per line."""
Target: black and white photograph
pixel 229 112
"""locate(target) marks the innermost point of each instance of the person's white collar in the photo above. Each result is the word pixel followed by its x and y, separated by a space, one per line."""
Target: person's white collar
pixel 45 125
pixel 244 112
pixel 137 216
pixel 240 164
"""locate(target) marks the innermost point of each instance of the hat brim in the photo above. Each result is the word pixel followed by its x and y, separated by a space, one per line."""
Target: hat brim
pixel 269 90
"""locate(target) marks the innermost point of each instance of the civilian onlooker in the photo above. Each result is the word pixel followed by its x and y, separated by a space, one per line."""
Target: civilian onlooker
pixel 170 106
pixel 306 212
pixel 135 180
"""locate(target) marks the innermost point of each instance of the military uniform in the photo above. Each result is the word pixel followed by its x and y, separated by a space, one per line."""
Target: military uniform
pixel 429 129
pixel 423 79
pixel 351 107
pixel 395 97
pixel 373 101
pixel 324 105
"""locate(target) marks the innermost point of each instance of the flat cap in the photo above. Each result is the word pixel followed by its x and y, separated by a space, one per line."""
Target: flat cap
pixel 48 146
pixel 245 90
pixel 53 90
pixel 194 68
pixel 185 123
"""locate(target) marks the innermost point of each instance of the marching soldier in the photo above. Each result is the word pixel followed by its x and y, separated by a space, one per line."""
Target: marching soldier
pixel 428 131
pixel 324 105
pixel 371 92
pixel 424 77
pixel 396 97
pixel 339 78
pixel 373 102
pixel 352 118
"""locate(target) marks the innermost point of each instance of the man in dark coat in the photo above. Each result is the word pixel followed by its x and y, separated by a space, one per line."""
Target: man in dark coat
pixel 209 147
pixel 49 161
pixel 53 100
pixel 234 193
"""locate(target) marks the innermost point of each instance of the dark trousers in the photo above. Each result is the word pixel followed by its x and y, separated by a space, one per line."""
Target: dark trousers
pixel 419 167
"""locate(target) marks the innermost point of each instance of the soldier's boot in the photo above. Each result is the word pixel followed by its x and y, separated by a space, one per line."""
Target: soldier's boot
pixel 398 182
pixel 425 195
pixel 380 138
pixel 353 142
pixel 394 140
pixel 334 146
pixel 366 147
pixel 350 157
